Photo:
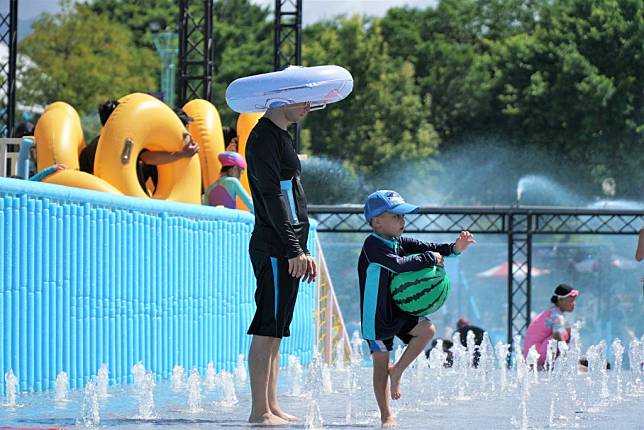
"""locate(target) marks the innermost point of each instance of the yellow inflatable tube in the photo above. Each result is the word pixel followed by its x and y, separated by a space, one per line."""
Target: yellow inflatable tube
pixel 142 122
pixel 206 130
pixel 245 124
pixel 78 179
pixel 59 137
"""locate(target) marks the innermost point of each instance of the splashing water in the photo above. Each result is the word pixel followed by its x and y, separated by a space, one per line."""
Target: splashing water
pixel 102 381
pixel 240 371
pixel 138 373
pixel 295 373
pixel 618 355
pixel 327 384
pixel 540 190
pixel 146 397
pixel 229 396
pixel 502 352
pixel 194 392
pixel 62 387
pixel 11 384
pixel 356 347
pixel 177 377
pixel 531 361
pixel 211 376
pixel 339 354
pixel 89 409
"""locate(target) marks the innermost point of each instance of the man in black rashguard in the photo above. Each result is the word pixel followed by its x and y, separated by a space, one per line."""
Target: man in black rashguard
pixel 277 249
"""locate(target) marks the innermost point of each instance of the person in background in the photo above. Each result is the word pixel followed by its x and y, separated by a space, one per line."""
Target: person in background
pixel 148 160
pixel 87 156
pixel 550 324
pixel 27 129
pixel 463 326
pixel 225 190
pixel 231 141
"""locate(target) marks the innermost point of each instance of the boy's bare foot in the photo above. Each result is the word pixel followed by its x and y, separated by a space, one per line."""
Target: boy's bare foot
pixel 394 382
pixel 389 422
pixel 267 419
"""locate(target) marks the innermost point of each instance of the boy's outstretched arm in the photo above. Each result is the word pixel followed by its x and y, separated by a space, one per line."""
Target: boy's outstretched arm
pixel 380 254
pixel 415 246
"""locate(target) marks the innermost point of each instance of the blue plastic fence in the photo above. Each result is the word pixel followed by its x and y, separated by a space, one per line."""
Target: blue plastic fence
pixel 88 278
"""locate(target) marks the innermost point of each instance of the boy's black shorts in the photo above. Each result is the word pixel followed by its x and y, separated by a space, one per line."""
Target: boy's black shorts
pixel 275 295
pixel 384 345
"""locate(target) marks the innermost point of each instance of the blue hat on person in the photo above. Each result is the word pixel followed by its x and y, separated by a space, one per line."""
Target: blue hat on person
pixel 386 201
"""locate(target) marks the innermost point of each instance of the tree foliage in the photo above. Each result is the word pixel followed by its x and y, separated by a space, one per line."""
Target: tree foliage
pixel 83 58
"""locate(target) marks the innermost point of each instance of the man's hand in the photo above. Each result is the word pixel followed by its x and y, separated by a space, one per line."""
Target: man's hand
pixel 464 240
pixel 303 266
pixel 297 266
pixel 311 270
pixel 190 147
pixel 438 257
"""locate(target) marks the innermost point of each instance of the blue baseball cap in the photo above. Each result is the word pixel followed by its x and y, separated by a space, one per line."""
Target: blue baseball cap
pixel 386 201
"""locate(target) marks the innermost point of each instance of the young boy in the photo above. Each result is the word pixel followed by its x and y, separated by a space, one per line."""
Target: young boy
pixel 385 253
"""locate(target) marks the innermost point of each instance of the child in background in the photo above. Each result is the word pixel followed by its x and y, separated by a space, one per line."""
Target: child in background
pixel 224 191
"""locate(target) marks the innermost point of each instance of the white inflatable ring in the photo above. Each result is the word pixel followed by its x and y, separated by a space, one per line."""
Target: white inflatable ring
pixel 319 85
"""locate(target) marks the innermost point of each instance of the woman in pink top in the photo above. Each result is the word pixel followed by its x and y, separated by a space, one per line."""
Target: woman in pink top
pixel 550 324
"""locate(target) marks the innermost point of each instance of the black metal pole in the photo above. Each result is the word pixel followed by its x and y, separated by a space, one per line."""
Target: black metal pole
pixel 13 54
pixel 277 35
pixel 208 50
pixel 183 47
pixel 510 279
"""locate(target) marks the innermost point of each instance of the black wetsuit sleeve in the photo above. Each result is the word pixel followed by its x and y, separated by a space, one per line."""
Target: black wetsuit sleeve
pixel 266 174
pixel 380 254
pixel 414 246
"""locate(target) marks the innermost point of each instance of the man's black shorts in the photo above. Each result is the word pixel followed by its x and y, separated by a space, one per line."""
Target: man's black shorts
pixel 275 295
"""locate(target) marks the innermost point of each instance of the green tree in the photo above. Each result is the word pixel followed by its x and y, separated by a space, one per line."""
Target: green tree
pixel 242 36
pixel 243 45
pixel 449 46
pixel 574 86
pixel 83 58
pixel 137 15
pixel 383 119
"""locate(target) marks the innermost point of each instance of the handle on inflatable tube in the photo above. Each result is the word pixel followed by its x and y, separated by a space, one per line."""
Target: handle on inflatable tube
pixel 150 125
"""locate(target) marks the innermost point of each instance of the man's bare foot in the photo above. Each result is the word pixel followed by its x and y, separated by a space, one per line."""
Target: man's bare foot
pixel 394 382
pixel 389 422
pixel 267 419
pixel 283 415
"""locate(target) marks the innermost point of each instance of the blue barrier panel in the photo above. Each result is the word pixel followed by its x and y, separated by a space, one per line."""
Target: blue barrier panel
pixel 88 278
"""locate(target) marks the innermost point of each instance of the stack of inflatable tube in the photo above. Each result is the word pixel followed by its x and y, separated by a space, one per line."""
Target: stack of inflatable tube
pixel 319 85
pixel 205 128
pixel 59 136
pixel 140 122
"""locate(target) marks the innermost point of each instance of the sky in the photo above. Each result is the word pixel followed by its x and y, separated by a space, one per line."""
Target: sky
pixel 312 10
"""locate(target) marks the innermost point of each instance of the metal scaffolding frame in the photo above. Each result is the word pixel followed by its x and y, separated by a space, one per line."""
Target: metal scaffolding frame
pixel 288 43
pixel 519 224
pixel 196 51
pixel 8 36
pixel 287 33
